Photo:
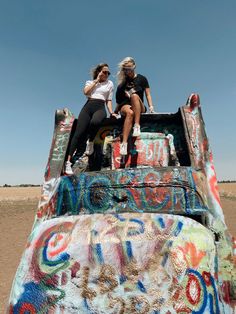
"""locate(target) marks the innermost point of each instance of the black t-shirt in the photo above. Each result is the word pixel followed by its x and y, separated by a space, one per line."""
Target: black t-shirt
pixel 136 85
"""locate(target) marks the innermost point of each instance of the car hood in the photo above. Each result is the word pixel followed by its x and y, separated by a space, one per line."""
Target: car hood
pixel 118 263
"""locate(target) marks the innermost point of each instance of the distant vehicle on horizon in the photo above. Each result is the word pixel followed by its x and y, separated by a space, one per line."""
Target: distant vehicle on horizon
pixel 143 233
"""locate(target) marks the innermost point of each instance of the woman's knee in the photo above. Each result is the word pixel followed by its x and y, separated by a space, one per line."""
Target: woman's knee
pixel 130 113
pixel 97 121
pixel 134 97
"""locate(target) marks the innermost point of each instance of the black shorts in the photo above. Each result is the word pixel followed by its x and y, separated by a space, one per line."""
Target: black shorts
pixel 127 102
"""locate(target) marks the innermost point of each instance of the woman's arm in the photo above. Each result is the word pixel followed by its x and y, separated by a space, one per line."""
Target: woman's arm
pixel 117 108
pixel 88 89
pixel 149 99
pixel 109 106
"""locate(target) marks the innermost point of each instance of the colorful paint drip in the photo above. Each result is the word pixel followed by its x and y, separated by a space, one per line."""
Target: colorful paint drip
pixel 140 235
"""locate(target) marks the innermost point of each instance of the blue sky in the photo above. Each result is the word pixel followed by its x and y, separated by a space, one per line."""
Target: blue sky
pixel 47 49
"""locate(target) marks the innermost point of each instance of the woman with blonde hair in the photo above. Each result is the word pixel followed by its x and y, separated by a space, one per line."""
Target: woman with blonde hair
pixel 99 92
pixel 129 99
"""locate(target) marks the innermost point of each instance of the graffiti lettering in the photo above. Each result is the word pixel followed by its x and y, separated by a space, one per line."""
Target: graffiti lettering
pixel 145 152
pixel 129 190
pixel 106 279
pixel 87 292
pixel 59 148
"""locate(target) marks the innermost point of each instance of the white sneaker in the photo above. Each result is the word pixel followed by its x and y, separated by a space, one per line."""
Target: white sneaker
pixel 68 169
pixel 123 149
pixel 136 130
pixel 89 148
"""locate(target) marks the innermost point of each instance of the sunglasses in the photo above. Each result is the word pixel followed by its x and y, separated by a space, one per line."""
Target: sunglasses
pixel 106 72
pixel 128 69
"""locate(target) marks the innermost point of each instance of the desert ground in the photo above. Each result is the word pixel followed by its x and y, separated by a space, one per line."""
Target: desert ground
pixel 17 211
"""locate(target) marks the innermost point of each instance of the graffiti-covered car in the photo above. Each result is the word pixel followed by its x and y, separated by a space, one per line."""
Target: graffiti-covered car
pixel 142 233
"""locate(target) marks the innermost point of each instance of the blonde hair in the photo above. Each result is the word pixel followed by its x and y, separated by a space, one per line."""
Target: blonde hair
pixel 120 73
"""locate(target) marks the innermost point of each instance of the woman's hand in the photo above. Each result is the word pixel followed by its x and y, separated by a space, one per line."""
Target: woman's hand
pixel 149 100
pixel 99 76
pixel 115 115
pixel 151 109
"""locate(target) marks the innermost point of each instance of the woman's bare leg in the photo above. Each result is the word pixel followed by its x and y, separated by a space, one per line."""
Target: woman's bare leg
pixel 129 117
pixel 137 107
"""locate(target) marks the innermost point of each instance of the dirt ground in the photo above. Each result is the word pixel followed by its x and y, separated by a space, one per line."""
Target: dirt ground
pixel 17 211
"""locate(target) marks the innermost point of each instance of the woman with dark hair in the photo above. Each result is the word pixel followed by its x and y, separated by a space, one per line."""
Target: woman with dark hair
pixel 99 92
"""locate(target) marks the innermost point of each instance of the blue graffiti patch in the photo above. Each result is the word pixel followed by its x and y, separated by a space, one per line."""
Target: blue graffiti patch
pixel 31 299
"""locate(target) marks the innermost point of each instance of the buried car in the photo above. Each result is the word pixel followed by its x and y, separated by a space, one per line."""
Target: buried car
pixel 144 233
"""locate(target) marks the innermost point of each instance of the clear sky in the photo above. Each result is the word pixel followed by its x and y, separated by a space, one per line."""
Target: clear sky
pixel 47 49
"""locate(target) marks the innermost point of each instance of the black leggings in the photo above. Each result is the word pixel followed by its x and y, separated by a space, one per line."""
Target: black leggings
pixel 88 124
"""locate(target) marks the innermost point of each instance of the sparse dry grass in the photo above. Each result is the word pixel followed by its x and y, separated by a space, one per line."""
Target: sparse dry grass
pixel 19 193
pixel 227 190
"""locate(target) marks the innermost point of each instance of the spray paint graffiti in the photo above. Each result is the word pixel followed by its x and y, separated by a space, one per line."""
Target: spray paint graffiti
pixel 143 190
pixel 148 252
pixel 135 240
pixel 63 125
pixel 151 149
pixel 59 152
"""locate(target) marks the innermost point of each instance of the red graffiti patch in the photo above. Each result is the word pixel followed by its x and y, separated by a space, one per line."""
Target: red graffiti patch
pixel 193 290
